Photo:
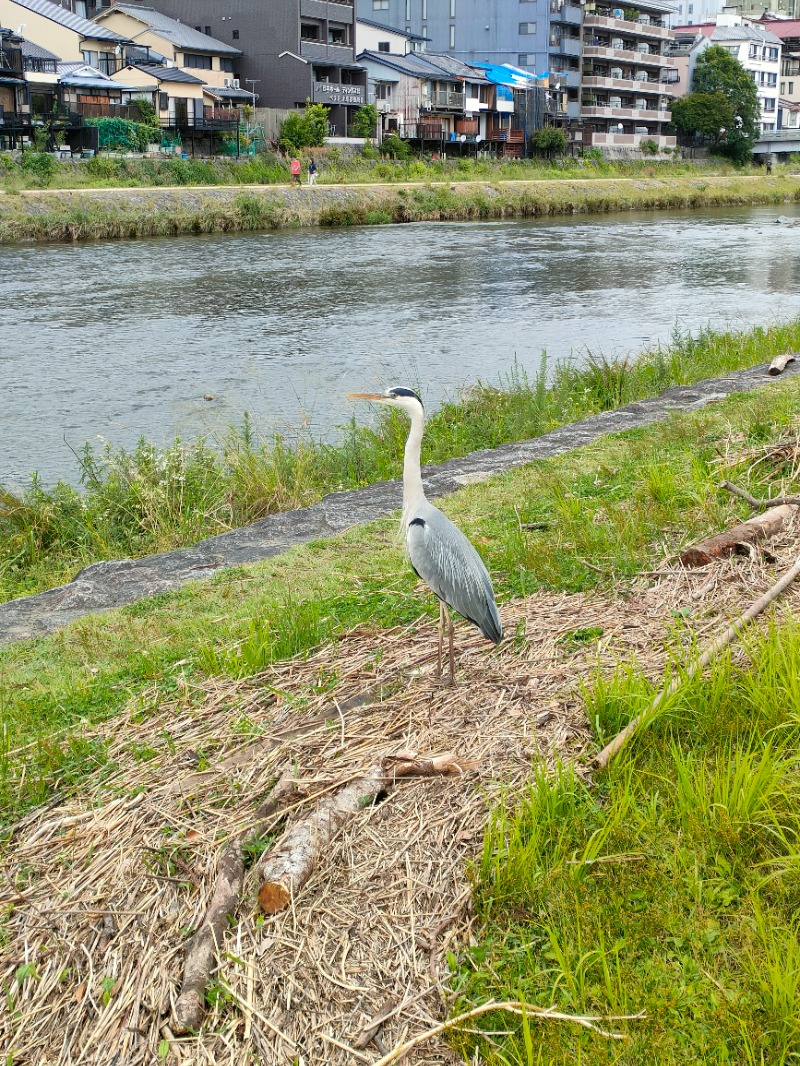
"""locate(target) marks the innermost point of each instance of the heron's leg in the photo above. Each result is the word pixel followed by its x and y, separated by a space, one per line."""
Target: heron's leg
pixel 452 656
pixel 442 610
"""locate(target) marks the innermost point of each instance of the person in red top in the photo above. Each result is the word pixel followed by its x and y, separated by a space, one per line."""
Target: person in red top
pixel 295 169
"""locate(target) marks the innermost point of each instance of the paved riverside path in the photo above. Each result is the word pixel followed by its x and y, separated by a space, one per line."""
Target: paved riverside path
pixel 103 586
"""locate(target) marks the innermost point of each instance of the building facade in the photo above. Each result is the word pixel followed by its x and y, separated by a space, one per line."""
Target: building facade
pixel 539 36
pixel 292 50
pixel 629 77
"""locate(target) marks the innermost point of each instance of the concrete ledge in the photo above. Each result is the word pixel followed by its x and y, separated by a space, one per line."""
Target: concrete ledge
pixel 104 586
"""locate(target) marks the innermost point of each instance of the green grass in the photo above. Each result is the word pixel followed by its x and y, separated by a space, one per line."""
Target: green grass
pixel 619 505
pixel 133 504
pixel 78 217
pixel 670 887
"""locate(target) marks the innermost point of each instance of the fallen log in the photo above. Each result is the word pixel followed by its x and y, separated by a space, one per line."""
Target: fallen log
pixel 780 362
pixel 201 951
pixel 288 866
pixel 755 529
pixel 622 738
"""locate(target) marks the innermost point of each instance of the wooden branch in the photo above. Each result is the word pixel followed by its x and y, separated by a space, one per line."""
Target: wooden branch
pixel 779 363
pixel 510 1007
pixel 288 866
pixel 622 738
pixel 756 503
pixel 201 951
pixel 760 527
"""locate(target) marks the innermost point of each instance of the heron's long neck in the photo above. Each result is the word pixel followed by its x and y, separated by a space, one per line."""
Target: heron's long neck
pixel 412 474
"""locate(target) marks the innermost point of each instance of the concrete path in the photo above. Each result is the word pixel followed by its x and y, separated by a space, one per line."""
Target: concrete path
pixel 103 586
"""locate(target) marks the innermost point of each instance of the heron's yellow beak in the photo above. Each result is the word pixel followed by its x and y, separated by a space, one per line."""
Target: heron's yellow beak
pixel 365 396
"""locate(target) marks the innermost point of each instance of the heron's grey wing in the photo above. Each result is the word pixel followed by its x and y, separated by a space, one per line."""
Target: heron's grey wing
pixel 443 557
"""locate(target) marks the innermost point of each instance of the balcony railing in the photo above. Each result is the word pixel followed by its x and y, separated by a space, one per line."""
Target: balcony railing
pixel 453 101
pixel 594 48
pixel 632 26
pixel 633 140
pixel 600 110
pixel 109 110
pixel 562 11
pixel 494 133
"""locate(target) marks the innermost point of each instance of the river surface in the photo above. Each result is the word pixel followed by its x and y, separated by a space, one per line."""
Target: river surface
pixel 113 341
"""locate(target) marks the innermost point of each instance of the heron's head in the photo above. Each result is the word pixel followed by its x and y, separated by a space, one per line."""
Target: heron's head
pixel 397 396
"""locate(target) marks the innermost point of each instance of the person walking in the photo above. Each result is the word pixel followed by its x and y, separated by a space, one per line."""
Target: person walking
pixel 294 167
pixel 312 173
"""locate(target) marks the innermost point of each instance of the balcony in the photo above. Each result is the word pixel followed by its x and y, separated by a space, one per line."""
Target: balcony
pixel 109 110
pixel 632 140
pixel 567 79
pixel 637 28
pixel 319 9
pixel 565 13
pixel 319 52
pixel 594 49
pixel 643 113
pixel 562 45
pixel 628 85
pixel 444 99
pixel 494 133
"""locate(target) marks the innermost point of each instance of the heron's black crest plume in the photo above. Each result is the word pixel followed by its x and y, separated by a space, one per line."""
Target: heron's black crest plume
pixel 401 390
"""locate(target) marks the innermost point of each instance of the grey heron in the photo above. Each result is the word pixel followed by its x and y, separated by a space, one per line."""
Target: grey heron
pixel 439 552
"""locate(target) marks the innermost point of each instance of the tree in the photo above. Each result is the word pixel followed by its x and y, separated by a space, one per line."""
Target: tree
pixel 719 72
pixel 550 140
pixel 708 114
pixel 365 121
pixel 304 129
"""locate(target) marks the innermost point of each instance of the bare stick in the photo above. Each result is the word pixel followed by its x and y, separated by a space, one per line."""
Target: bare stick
pixel 780 362
pixel 201 951
pixel 510 1007
pixel 288 866
pixel 733 631
pixel 757 504
pixel 755 529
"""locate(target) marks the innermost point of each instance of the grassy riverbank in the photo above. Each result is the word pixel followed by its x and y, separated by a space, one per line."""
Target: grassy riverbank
pixel 53 215
pixel 668 887
pixel 150 500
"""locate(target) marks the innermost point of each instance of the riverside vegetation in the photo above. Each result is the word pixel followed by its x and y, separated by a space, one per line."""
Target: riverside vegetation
pixel 700 931
pixel 470 192
pixel 148 500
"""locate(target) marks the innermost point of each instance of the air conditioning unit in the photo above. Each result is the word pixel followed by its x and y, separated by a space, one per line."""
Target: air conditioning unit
pixel 641 103
pixel 615 101
pixel 227 82
pixel 235 83
pixel 615 72
pixel 642 75
pixel 617 43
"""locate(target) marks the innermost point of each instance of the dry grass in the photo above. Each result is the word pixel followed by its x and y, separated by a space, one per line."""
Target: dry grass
pixel 103 887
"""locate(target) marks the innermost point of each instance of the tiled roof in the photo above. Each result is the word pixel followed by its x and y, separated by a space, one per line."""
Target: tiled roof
pixel 70 20
pixel 181 35
pixel 783 28
pixel 168 73
pixel 392 29
pixel 744 33
pixel 35 51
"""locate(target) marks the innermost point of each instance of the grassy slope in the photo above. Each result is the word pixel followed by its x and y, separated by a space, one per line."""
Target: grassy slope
pixel 635 487
pixel 135 505
pixel 60 217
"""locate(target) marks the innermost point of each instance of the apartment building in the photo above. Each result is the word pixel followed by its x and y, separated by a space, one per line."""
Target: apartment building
pixel 629 78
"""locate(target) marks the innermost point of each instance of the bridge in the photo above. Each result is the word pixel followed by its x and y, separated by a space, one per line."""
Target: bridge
pixel 777 143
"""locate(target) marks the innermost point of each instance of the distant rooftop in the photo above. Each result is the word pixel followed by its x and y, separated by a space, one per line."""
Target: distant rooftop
pixel 181 35
pixel 392 29
pixel 70 20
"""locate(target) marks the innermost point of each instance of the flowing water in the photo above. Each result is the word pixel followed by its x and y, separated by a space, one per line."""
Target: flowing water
pixel 120 340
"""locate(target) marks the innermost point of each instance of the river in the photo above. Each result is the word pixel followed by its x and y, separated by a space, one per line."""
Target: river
pixel 117 340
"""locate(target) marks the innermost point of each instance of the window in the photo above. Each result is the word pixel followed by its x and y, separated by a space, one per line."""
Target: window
pixel 163 102
pixel 380 5
pixel 783 87
pixel 791 88
pixel 527 27
pixel 772 54
pixel 522 59
pixel 452 36
pixel 691 9
pixel 236 35
pixel 769 103
pixel 383 90
pixel 383 46
pixel 336 35
pixel 226 65
pixel 107 63
pixel 199 29
pixel 452 9
pixel 753 51
pixel 483 94
pixel 197 62
pixel 309 31
pixel 208 31
pixel 90 58
pixel 772 78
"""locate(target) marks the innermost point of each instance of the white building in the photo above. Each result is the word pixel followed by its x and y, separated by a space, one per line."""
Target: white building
pixel 375 37
pixel 695 12
pixel 759 52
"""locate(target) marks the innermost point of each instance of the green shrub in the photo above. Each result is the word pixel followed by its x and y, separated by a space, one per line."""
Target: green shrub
pixel 40 165
pixel 649 147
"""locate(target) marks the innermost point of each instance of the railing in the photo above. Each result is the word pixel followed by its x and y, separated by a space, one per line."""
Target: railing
pixel 124 111
pixel 213 118
pixel 495 133
pixel 445 98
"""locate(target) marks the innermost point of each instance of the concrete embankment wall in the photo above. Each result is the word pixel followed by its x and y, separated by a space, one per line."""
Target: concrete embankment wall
pixel 58 215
